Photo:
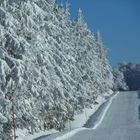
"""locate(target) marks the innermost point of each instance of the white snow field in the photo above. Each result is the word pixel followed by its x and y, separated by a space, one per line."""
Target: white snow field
pixel 121 121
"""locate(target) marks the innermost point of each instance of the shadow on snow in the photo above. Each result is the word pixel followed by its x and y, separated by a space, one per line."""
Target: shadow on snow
pixel 41 137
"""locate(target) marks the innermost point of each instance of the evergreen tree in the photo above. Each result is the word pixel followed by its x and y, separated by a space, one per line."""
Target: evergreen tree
pixel 56 66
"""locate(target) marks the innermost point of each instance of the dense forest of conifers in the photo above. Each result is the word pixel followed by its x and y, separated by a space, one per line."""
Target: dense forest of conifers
pixel 127 76
pixel 51 67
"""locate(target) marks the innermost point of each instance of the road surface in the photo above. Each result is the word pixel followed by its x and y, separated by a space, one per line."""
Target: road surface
pixel 122 121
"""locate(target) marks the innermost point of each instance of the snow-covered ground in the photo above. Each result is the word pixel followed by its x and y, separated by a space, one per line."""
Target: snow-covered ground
pixel 71 127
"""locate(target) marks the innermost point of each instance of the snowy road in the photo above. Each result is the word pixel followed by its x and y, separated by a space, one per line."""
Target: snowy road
pixel 122 121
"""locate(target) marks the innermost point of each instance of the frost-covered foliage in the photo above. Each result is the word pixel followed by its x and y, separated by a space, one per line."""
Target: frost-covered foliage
pixel 119 80
pixel 50 67
pixel 131 74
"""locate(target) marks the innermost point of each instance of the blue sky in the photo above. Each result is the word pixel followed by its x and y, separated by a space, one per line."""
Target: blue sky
pixel 119 23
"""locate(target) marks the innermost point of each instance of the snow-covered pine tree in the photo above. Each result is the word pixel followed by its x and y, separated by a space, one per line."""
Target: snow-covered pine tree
pixel 106 81
pixel 51 62
pixel 119 80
